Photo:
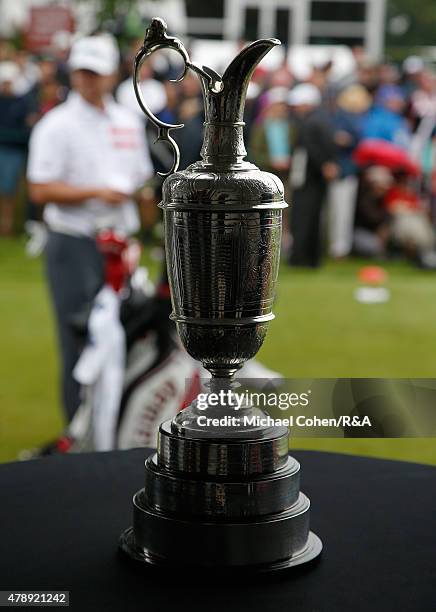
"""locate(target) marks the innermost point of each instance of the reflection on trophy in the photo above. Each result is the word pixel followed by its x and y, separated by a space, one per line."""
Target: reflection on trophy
pixel 217 496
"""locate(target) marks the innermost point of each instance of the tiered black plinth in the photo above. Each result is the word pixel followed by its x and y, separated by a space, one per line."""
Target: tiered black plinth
pixel 232 502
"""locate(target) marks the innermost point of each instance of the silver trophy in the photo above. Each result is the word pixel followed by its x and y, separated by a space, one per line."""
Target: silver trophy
pixel 222 496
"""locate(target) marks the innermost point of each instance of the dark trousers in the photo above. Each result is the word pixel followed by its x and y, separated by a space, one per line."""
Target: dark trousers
pixel 306 208
pixel 75 274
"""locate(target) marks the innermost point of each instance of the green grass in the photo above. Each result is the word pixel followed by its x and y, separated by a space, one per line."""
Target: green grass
pixel 320 331
pixel 29 409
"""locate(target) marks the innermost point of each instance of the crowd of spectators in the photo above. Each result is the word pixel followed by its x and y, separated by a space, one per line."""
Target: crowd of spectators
pixel 309 133
pixel 356 155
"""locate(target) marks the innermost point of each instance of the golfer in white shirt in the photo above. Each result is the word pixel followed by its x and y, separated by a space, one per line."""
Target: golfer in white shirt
pixel 88 157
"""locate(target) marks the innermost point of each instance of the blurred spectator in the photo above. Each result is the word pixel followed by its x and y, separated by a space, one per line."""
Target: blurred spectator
pixel 321 78
pixel 385 121
pixel 423 114
pixel 88 157
pixel 372 218
pixel 50 95
pixel 412 69
pixel 313 166
pixel 388 75
pixel 49 91
pixel 321 75
pixel 61 44
pixel 169 113
pixel 410 227
pixel 367 74
pixel 28 73
pixel 14 135
pixel 256 98
pixel 423 99
pixel 190 112
pixel 272 135
pixel 352 107
pixel 282 76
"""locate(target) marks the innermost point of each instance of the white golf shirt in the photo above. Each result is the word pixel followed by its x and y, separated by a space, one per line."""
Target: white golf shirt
pixel 84 146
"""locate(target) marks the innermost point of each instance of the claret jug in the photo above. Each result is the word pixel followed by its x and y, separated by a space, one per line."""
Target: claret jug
pixel 220 496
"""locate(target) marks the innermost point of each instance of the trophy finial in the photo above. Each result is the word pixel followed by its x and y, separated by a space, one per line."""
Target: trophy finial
pixel 156 31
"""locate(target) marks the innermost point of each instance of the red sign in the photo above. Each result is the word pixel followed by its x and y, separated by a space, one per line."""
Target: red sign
pixel 45 22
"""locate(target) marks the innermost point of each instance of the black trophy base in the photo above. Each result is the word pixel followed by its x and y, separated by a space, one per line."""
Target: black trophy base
pixel 225 503
pixel 311 551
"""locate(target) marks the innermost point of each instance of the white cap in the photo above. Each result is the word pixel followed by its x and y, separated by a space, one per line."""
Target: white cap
pixel 306 93
pixel 9 72
pixel 413 64
pixel 277 95
pixel 97 53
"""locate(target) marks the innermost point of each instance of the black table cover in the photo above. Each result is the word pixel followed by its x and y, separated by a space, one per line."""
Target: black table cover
pixel 60 519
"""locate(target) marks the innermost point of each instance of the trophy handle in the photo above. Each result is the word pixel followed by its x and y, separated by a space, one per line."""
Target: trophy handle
pixel 156 38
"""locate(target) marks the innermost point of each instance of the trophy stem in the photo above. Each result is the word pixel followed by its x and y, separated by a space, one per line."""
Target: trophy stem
pixel 223 373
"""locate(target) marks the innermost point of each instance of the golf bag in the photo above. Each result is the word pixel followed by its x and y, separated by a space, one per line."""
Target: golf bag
pixel 133 370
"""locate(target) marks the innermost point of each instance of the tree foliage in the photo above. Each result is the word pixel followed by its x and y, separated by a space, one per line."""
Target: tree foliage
pixel 422 15
pixel 112 9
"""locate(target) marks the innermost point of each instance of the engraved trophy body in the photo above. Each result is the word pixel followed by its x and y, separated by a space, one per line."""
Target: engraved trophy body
pixel 220 496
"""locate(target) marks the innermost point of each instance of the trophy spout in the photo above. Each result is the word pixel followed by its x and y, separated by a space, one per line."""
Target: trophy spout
pixel 224 110
pixel 238 75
